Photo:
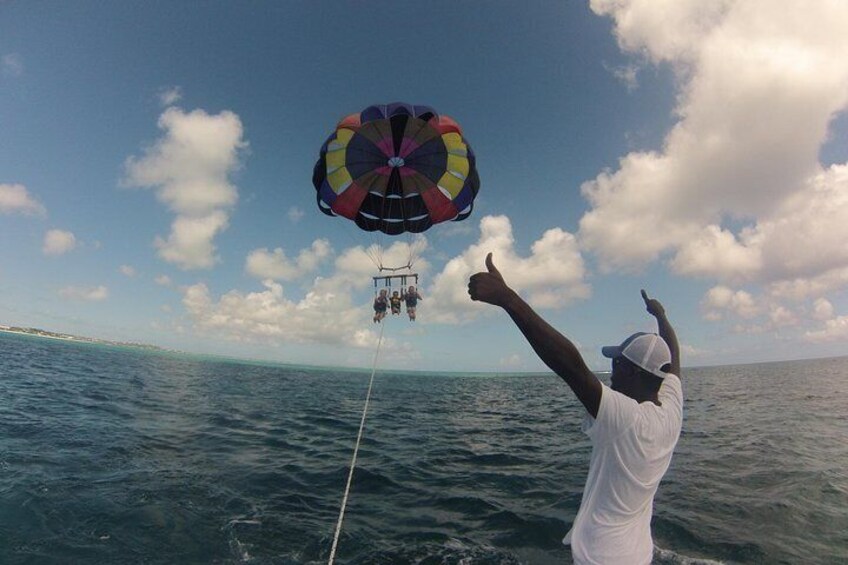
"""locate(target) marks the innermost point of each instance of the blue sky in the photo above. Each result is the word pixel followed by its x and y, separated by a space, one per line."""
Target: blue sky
pixel 156 159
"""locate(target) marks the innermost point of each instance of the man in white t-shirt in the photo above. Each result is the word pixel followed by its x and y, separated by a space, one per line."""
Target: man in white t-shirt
pixel 633 425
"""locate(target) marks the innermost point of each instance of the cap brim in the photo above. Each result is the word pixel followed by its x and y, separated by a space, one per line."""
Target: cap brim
pixel 611 351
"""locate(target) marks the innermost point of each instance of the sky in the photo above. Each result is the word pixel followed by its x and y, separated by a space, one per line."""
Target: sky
pixel 156 162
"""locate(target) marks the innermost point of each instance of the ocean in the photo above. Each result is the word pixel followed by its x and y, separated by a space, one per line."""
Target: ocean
pixel 119 455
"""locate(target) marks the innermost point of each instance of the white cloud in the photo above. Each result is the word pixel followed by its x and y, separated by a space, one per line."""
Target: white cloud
pixel 822 309
pixel 58 242
pixel 330 311
pixel 737 192
pixel 170 95
pixel 264 264
pixel 551 277
pixel 765 313
pixel 835 329
pixel 85 293
pixel 163 280
pixel 797 289
pixel 14 198
pixel 324 315
pixel 716 252
pixel 190 167
pixel 127 270
pixel 12 65
pixel 721 300
pixel 780 316
pixel 189 244
pixel 295 214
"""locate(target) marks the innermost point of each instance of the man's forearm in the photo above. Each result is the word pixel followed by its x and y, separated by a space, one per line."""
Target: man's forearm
pixel 667 333
pixel 556 351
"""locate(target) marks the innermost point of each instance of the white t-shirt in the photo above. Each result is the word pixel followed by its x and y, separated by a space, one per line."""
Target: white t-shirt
pixel 632 444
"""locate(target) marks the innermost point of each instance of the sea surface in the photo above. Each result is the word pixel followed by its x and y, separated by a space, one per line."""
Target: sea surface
pixel 117 455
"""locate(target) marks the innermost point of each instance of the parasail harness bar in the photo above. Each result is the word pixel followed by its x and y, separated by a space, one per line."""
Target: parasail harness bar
pixel 387 279
pixel 394 269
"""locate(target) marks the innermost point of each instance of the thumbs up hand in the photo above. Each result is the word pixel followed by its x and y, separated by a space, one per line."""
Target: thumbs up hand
pixel 489 286
pixel 654 306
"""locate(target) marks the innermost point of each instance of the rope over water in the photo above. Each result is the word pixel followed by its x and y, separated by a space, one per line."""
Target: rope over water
pixel 356 448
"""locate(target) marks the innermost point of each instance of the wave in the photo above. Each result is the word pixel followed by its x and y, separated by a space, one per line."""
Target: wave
pixel 668 557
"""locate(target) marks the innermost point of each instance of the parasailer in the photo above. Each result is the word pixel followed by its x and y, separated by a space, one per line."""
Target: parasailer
pixel 411 297
pixel 380 303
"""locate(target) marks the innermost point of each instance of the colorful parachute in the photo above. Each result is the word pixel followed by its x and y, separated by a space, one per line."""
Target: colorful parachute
pixel 396 168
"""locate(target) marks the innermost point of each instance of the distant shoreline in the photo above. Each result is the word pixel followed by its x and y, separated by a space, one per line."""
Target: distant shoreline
pixel 214 357
pixel 37 332
pixel 217 358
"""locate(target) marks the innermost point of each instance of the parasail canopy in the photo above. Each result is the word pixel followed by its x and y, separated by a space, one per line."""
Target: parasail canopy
pixel 396 168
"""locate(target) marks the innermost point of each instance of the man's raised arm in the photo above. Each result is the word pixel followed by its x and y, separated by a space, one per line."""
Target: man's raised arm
pixel 557 351
pixel 656 309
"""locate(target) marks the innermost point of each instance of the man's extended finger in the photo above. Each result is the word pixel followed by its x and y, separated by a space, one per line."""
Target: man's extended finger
pixel 644 296
pixel 491 266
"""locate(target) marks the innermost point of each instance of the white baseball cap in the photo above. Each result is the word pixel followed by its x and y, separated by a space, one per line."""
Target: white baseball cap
pixel 646 350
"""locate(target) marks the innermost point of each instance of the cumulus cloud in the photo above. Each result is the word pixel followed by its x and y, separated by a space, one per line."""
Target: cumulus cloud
pixel 85 293
pixel 553 276
pixel 822 309
pixel 127 270
pixel 737 192
pixel 264 264
pixel 58 242
pixel 721 300
pixel 189 244
pixel 758 313
pixel 15 199
pixel 780 316
pixel 163 280
pixel 323 315
pixel 190 166
pixel 333 310
pixel 835 329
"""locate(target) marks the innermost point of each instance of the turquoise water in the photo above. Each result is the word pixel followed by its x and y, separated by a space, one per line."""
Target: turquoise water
pixel 114 455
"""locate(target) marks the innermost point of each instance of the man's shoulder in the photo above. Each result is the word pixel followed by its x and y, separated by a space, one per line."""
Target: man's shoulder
pixel 671 384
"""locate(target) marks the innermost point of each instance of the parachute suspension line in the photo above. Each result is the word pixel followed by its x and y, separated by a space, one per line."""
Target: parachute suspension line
pixel 411 238
pixel 416 246
pixel 353 236
pixel 408 234
pixel 356 448
pixel 378 253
